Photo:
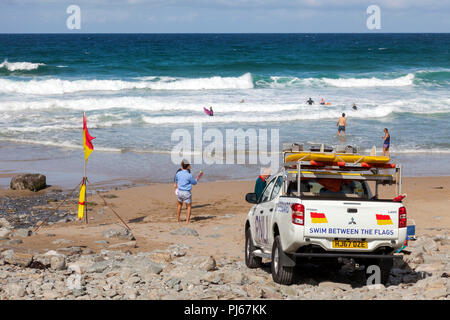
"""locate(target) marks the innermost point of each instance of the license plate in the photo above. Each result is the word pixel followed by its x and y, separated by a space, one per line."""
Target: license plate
pixel 350 244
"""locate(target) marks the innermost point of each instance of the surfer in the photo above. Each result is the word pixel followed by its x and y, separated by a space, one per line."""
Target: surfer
pixel 211 112
pixel 387 142
pixel 322 101
pixel 242 101
pixel 342 122
pixel 310 101
pixel 354 107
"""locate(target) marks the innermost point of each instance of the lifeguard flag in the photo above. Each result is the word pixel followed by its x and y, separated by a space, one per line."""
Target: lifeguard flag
pixel 383 219
pixel 87 140
pixel 81 201
pixel 317 217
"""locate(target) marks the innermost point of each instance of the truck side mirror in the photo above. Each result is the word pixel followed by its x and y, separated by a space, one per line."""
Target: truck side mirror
pixel 251 198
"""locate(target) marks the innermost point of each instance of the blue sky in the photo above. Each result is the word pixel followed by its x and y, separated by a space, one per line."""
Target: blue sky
pixel 211 16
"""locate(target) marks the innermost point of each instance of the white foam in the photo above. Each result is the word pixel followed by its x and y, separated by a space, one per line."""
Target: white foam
pixel 17 66
pixel 281 82
pixel 59 86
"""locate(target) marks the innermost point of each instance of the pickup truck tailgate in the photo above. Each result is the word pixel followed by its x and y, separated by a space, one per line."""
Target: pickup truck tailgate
pixel 351 219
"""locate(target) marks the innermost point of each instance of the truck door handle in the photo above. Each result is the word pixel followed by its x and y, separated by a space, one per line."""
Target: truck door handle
pixel 352 210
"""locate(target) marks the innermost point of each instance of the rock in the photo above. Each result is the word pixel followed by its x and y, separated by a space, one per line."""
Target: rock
pixel 4 233
pixel 15 289
pixel 58 262
pixel 28 181
pixel 121 233
pixel 123 245
pixel 288 291
pixel 269 292
pixel 378 286
pixel 430 268
pixel 209 264
pixel 178 252
pixel 185 232
pixel 435 293
pixel 19 259
pixel 253 291
pixel 335 285
pixel 430 246
pixel 5 224
pixel 22 233
pixel 160 257
pixel 74 282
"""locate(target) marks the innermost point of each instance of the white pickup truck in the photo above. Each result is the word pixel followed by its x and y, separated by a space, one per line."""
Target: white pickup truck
pixel 312 212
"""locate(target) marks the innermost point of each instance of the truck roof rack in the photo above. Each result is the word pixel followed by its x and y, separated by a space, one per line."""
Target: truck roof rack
pixel 339 169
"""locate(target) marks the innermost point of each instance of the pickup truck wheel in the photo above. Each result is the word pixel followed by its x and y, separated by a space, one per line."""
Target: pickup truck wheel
pixel 280 273
pixel 251 261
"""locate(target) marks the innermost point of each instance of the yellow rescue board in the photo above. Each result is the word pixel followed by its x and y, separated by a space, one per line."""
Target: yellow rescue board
pixel 338 157
pixel 307 156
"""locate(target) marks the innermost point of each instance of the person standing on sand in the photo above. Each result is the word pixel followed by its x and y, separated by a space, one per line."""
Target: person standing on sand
pixel 386 142
pixel 261 183
pixel 184 182
pixel 342 122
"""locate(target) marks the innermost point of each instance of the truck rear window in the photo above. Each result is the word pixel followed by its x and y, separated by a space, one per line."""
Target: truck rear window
pixel 329 188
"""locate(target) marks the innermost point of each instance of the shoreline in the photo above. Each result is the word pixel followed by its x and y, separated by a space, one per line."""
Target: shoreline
pixel 64 167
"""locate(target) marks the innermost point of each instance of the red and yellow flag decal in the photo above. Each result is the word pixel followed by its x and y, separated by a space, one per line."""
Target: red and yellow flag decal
pixel 383 219
pixel 87 140
pixel 317 217
pixel 81 201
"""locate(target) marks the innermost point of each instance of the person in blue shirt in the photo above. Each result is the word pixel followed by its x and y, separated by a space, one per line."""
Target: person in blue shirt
pixel 184 182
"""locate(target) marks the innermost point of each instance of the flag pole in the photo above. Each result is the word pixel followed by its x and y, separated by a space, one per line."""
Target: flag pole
pixel 85 193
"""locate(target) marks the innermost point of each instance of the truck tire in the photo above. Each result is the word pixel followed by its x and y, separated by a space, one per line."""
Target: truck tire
pixel 280 274
pixel 385 269
pixel 251 261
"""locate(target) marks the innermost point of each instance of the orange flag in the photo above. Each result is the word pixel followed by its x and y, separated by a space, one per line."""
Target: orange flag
pixel 87 140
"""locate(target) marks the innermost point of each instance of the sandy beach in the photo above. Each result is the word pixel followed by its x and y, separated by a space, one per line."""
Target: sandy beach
pixel 218 215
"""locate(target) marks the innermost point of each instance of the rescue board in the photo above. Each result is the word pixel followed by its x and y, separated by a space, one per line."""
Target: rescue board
pixel 336 157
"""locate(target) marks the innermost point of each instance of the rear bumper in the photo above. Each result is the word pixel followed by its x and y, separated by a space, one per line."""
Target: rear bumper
pixel 344 255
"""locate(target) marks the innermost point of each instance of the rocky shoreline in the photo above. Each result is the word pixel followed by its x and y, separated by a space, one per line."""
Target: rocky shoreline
pixel 79 273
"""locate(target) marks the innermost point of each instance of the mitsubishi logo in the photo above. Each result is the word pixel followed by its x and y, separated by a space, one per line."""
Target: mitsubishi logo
pixel 352 221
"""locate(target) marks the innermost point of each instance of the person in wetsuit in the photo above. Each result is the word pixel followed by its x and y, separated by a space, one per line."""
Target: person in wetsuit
pixel 310 101
pixel 387 142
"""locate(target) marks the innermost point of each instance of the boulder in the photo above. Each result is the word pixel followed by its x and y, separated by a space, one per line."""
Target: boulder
pixel 121 233
pixel 28 181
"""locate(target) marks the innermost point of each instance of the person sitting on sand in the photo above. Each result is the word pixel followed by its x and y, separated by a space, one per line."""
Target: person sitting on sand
pixel 342 122
pixel 261 183
pixel 387 142
pixel 184 182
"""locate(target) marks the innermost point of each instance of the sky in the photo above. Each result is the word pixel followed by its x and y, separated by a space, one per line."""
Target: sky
pixel 223 16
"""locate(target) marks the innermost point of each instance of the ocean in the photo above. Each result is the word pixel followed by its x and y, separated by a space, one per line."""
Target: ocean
pixel 136 89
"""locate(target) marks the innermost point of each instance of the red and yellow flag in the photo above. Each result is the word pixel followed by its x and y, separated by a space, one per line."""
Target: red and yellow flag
pixel 383 219
pixel 87 140
pixel 317 217
pixel 81 201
